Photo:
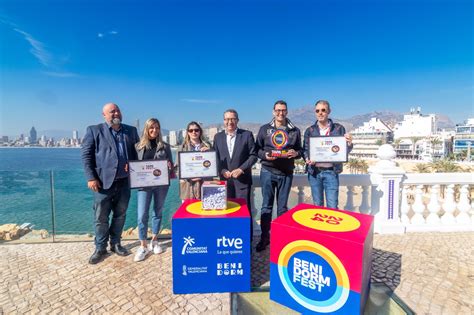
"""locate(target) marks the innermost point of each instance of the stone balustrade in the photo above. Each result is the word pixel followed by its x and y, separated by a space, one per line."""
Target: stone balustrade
pixel 399 201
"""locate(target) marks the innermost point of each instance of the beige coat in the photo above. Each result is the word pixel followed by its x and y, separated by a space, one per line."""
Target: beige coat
pixel 189 189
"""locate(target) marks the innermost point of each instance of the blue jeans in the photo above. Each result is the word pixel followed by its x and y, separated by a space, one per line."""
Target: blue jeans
pixel 326 182
pixel 115 200
pixel 271 183
pixel 144 200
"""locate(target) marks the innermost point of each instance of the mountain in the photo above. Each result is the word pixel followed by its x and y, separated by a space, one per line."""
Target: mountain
pixel 304 117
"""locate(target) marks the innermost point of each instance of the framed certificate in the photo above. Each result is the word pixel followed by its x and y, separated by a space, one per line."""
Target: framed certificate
pixel 193 164
pixel 328 149
pixel 148 173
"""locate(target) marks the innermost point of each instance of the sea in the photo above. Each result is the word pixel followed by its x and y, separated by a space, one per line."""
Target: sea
pixel 47 188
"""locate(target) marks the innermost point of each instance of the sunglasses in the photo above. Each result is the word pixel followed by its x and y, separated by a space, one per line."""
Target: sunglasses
pixel 322 110
pixel 194 130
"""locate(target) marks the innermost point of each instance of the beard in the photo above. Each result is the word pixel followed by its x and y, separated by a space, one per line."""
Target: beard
pixel 116 121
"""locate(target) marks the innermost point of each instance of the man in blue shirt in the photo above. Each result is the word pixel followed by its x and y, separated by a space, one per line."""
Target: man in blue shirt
pixel 106 149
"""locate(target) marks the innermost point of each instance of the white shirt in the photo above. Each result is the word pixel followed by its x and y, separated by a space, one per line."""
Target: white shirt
pixel 324 132
pixel 230 139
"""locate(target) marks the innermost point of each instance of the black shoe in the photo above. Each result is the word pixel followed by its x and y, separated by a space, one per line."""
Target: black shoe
pixel 98 256
pixel 119 250
pixel 262 245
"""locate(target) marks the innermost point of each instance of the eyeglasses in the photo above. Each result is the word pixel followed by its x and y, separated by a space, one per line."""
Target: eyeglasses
pixel 280 110
pixel 230 119
pixel 194 130
pixel 322 110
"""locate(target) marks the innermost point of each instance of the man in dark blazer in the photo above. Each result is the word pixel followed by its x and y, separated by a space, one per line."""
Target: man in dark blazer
pixel 106 150
pixel 236 155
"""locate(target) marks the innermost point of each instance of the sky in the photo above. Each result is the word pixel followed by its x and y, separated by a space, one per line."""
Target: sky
pixel 61 61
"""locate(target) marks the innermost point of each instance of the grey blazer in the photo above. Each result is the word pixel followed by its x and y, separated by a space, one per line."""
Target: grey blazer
pixel 99 152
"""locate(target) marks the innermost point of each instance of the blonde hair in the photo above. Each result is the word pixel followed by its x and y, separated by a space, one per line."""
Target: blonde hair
pixel 145 141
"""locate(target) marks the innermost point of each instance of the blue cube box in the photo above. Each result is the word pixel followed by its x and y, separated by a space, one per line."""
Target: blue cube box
pixel 211 248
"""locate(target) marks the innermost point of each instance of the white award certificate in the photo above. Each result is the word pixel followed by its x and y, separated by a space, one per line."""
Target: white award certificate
pixel 148 173
pixel 328 149
pixel 194 164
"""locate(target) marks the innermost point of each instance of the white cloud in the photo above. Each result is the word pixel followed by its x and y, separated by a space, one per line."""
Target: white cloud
pixel 41 53
pixel 38 49
pixel 111 33
pixel 200 101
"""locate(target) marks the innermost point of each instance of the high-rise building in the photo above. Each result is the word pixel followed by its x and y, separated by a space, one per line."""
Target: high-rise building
pixel 368 138
pixel 33 135
pixel 173 138
pixel 210 132
pixel 137 125
pixel 464 137
pixel 416 125
pixel 75 135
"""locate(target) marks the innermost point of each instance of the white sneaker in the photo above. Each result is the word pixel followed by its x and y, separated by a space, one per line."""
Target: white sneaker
pixel 141 253
pixel 155 247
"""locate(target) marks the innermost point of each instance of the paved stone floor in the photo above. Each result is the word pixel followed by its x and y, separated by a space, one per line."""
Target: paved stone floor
pixel 433 273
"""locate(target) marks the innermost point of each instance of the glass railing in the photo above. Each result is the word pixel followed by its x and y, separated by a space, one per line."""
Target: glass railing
pixel 57 205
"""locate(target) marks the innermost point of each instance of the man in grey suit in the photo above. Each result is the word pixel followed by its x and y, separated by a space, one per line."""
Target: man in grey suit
pixel 236 155
pixel 106 150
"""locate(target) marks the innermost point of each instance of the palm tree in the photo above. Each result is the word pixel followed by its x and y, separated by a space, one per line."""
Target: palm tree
pixel 353 164
pixel 422 168
pixel 445 166
pixel 414 140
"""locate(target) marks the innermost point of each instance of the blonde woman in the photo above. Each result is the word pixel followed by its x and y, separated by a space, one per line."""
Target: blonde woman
pixel 193 141
pixel 151 147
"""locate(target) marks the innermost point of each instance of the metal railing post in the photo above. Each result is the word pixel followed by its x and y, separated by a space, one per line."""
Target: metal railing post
pixel 53 208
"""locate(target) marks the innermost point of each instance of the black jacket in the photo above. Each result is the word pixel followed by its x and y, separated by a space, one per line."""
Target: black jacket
pixel 280 166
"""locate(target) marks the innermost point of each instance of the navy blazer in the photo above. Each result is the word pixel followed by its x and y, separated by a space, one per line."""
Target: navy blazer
pixel 99 152
pixel 244 155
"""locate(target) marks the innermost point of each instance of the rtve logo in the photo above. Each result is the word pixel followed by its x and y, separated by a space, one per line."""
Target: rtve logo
pixel 229 242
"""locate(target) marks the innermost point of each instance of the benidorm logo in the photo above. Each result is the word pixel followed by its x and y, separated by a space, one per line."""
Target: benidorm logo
pixel 313 276
pixel 326 220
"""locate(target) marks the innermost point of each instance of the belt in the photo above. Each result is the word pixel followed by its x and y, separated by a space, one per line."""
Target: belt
pixel 324 168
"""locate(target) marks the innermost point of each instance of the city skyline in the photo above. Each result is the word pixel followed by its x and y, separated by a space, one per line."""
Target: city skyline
pixel 182 61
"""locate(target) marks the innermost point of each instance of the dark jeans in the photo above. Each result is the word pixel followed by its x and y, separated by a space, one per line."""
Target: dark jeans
pixel 271 184
pixel 115 200
pixel 326 182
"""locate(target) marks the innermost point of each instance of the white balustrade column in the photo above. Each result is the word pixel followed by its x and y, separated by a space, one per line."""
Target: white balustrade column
pixel 300 194
pixel 254 211
pixel 364 205
pixel 434 207
pixel 387 177
pixel 464 206
pixel 449 206
pixel 350 199
pixel 405 207
pixel 418 207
